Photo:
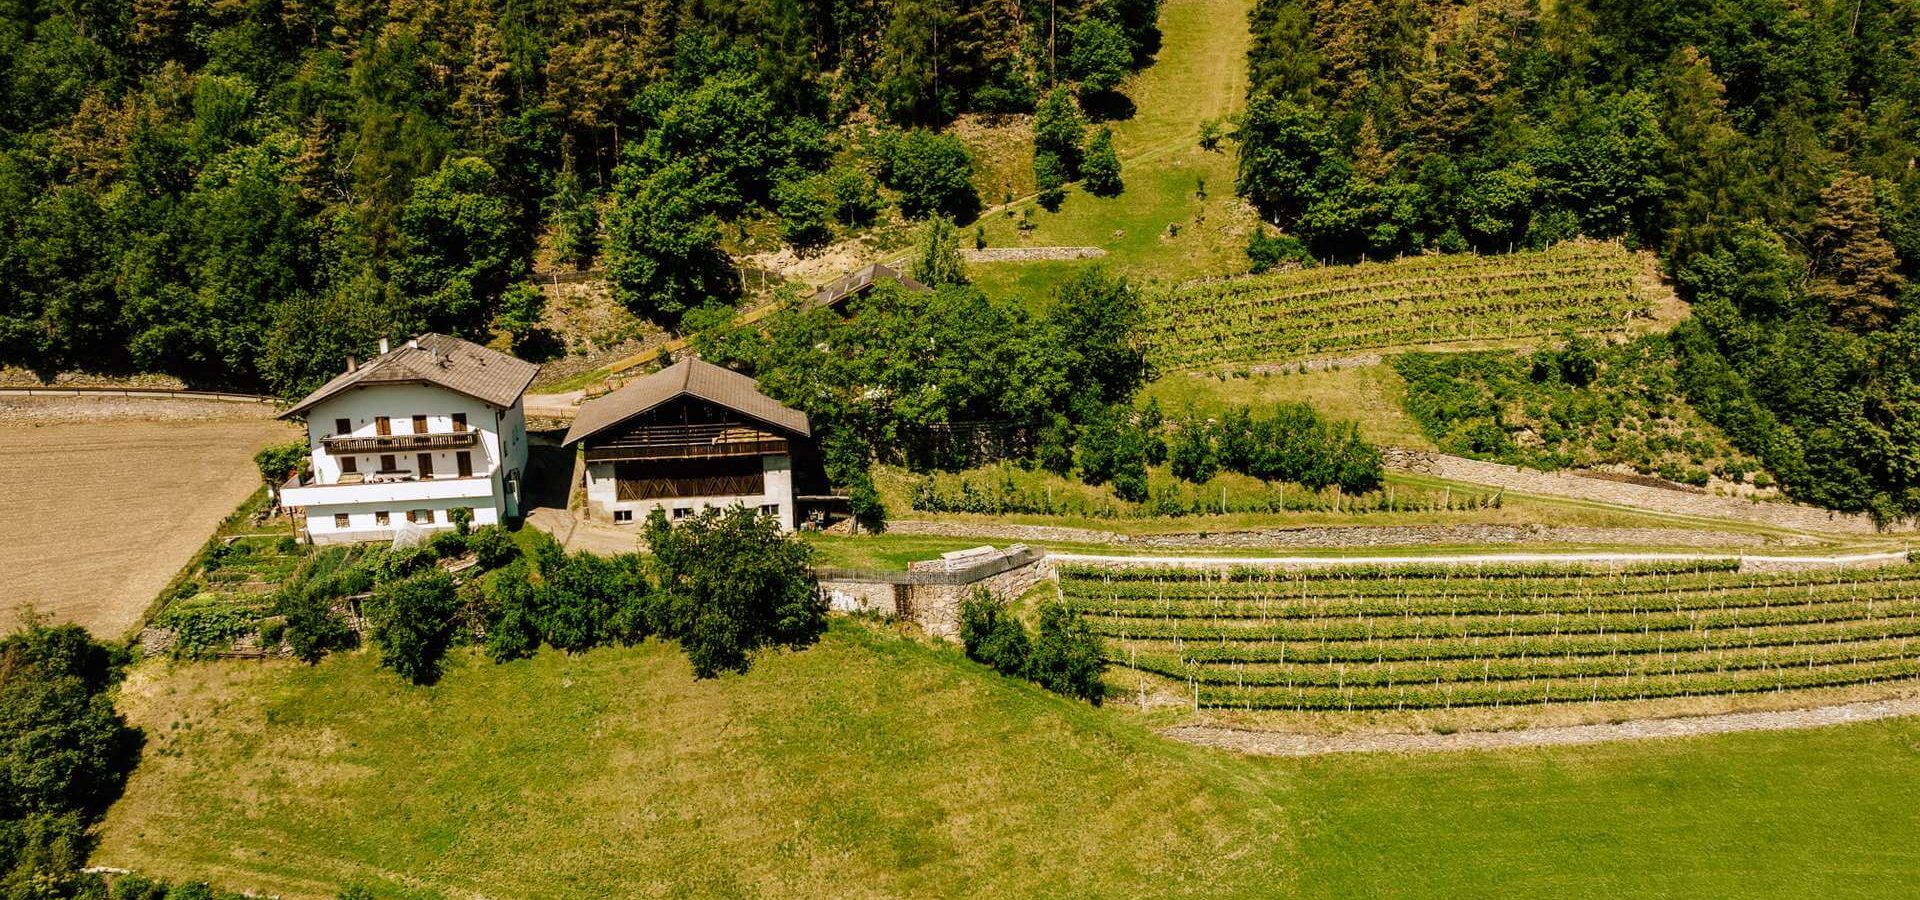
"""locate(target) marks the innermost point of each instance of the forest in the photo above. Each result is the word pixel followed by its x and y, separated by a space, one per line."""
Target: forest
pixel 241 193
pixel 1765 148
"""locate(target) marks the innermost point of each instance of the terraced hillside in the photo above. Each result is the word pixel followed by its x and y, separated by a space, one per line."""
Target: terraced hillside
pixel 1419 637
pixel 1421 300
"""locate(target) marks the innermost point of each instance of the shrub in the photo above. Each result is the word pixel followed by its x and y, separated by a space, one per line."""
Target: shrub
pixel 1113 450
pixel 992 634
pixel 1102 166
pixel 580 600
pixel 462 519
pixel 1049 180
pixel 730 583
pixel 64 755
pixel 411 621
pixel 1191 455
pixel 448 545
pixel 1067 657
pixel 312 627
pixel 805 206
pixel 491 546
pixel 1210 132
pixel 934 175
pixel 937 262
pixel 856 199
pixel 1272 251
pixel 278 462
pixel 514 632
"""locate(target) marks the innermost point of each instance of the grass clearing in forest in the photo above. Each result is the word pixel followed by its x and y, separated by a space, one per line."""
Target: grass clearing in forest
pixel 1160 227
pixel 873 765
pixel 1371 396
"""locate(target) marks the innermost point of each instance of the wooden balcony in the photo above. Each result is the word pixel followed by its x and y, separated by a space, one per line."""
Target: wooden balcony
pixel 353 443
pixel 686 442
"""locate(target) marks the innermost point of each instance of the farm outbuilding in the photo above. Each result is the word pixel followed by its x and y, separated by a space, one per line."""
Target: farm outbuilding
pixel 690 436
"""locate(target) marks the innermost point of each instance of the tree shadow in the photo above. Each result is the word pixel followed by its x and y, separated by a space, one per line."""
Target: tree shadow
pixel 1108 106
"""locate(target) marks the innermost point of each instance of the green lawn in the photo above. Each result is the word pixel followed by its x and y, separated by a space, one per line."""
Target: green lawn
pixel 1371 396
pixel 1159 227
pixel 872 765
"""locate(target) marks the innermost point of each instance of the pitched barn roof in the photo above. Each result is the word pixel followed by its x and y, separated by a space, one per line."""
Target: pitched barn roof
pixel 460 366
pixel 838 290
pixel 692 378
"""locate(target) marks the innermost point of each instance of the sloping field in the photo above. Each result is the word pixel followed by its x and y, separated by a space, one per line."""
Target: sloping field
pixel 103 500
pixel 874 766
pixel 1417 301
pixel 1349 638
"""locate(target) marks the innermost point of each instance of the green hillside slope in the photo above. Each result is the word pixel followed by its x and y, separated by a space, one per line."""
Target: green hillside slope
pixel 874 766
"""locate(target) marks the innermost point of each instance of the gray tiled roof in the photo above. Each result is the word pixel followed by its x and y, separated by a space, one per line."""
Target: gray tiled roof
pixel 689 377
pixel 838 290
pixel 460 366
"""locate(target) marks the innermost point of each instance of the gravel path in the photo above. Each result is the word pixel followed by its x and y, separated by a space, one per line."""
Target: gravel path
pixel 1275 743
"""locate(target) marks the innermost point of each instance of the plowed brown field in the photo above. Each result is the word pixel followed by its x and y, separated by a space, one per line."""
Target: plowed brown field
pixel 102 500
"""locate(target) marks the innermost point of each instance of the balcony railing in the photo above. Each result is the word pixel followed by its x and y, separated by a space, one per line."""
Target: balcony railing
pixel 351 443
pixel 387 487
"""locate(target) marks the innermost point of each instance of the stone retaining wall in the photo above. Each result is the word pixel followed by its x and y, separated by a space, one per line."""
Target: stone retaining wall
pixel 1339 536
pixel 1652 499
pixel 930 597
pixel 1029 254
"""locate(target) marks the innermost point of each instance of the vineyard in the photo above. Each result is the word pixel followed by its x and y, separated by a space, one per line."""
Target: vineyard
pixel 1428 637
pixel 1304 313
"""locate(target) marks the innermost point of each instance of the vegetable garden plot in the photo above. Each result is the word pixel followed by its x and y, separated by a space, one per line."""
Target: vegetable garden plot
pixel 1582 285
pixel 1370 637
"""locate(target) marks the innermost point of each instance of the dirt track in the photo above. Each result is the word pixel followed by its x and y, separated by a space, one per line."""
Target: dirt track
pixel 102 500
pixel 1275 743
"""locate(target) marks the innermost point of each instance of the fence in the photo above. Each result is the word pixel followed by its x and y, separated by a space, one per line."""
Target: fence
pixel 150 393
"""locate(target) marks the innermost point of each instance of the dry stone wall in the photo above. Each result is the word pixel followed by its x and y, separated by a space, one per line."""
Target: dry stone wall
pixel 1652 499
pixel 930 596
pixel 1349 536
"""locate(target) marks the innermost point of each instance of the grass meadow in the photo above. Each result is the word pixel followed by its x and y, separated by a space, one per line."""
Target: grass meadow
pixel 873 765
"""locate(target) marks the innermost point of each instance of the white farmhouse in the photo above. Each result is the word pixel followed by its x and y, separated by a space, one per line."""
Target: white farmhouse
pixel 416 432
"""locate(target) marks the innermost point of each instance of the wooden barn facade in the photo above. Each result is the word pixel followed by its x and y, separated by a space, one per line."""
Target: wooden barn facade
pixel 690 436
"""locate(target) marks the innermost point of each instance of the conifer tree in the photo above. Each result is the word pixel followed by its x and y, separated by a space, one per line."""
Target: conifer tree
pixel 1856 270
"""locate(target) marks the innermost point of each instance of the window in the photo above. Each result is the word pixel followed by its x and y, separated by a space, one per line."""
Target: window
pixel 419 424
pixel 422 516
pixel 463 460
pixel 681 512
pixel 382 426
pixel 382 519
pixel 387 463
pixel 426 465
pixel 770 509
pixel 349 464
pixel 459 422
pixel 340 520
pixel 342 426
pixel 623 515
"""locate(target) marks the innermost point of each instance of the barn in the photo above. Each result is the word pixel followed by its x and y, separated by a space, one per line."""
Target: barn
pixel 690 436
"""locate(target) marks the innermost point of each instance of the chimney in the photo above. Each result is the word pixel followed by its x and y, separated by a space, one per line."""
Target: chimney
pixel 383 346
pixel 413 343
pixel 353 364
